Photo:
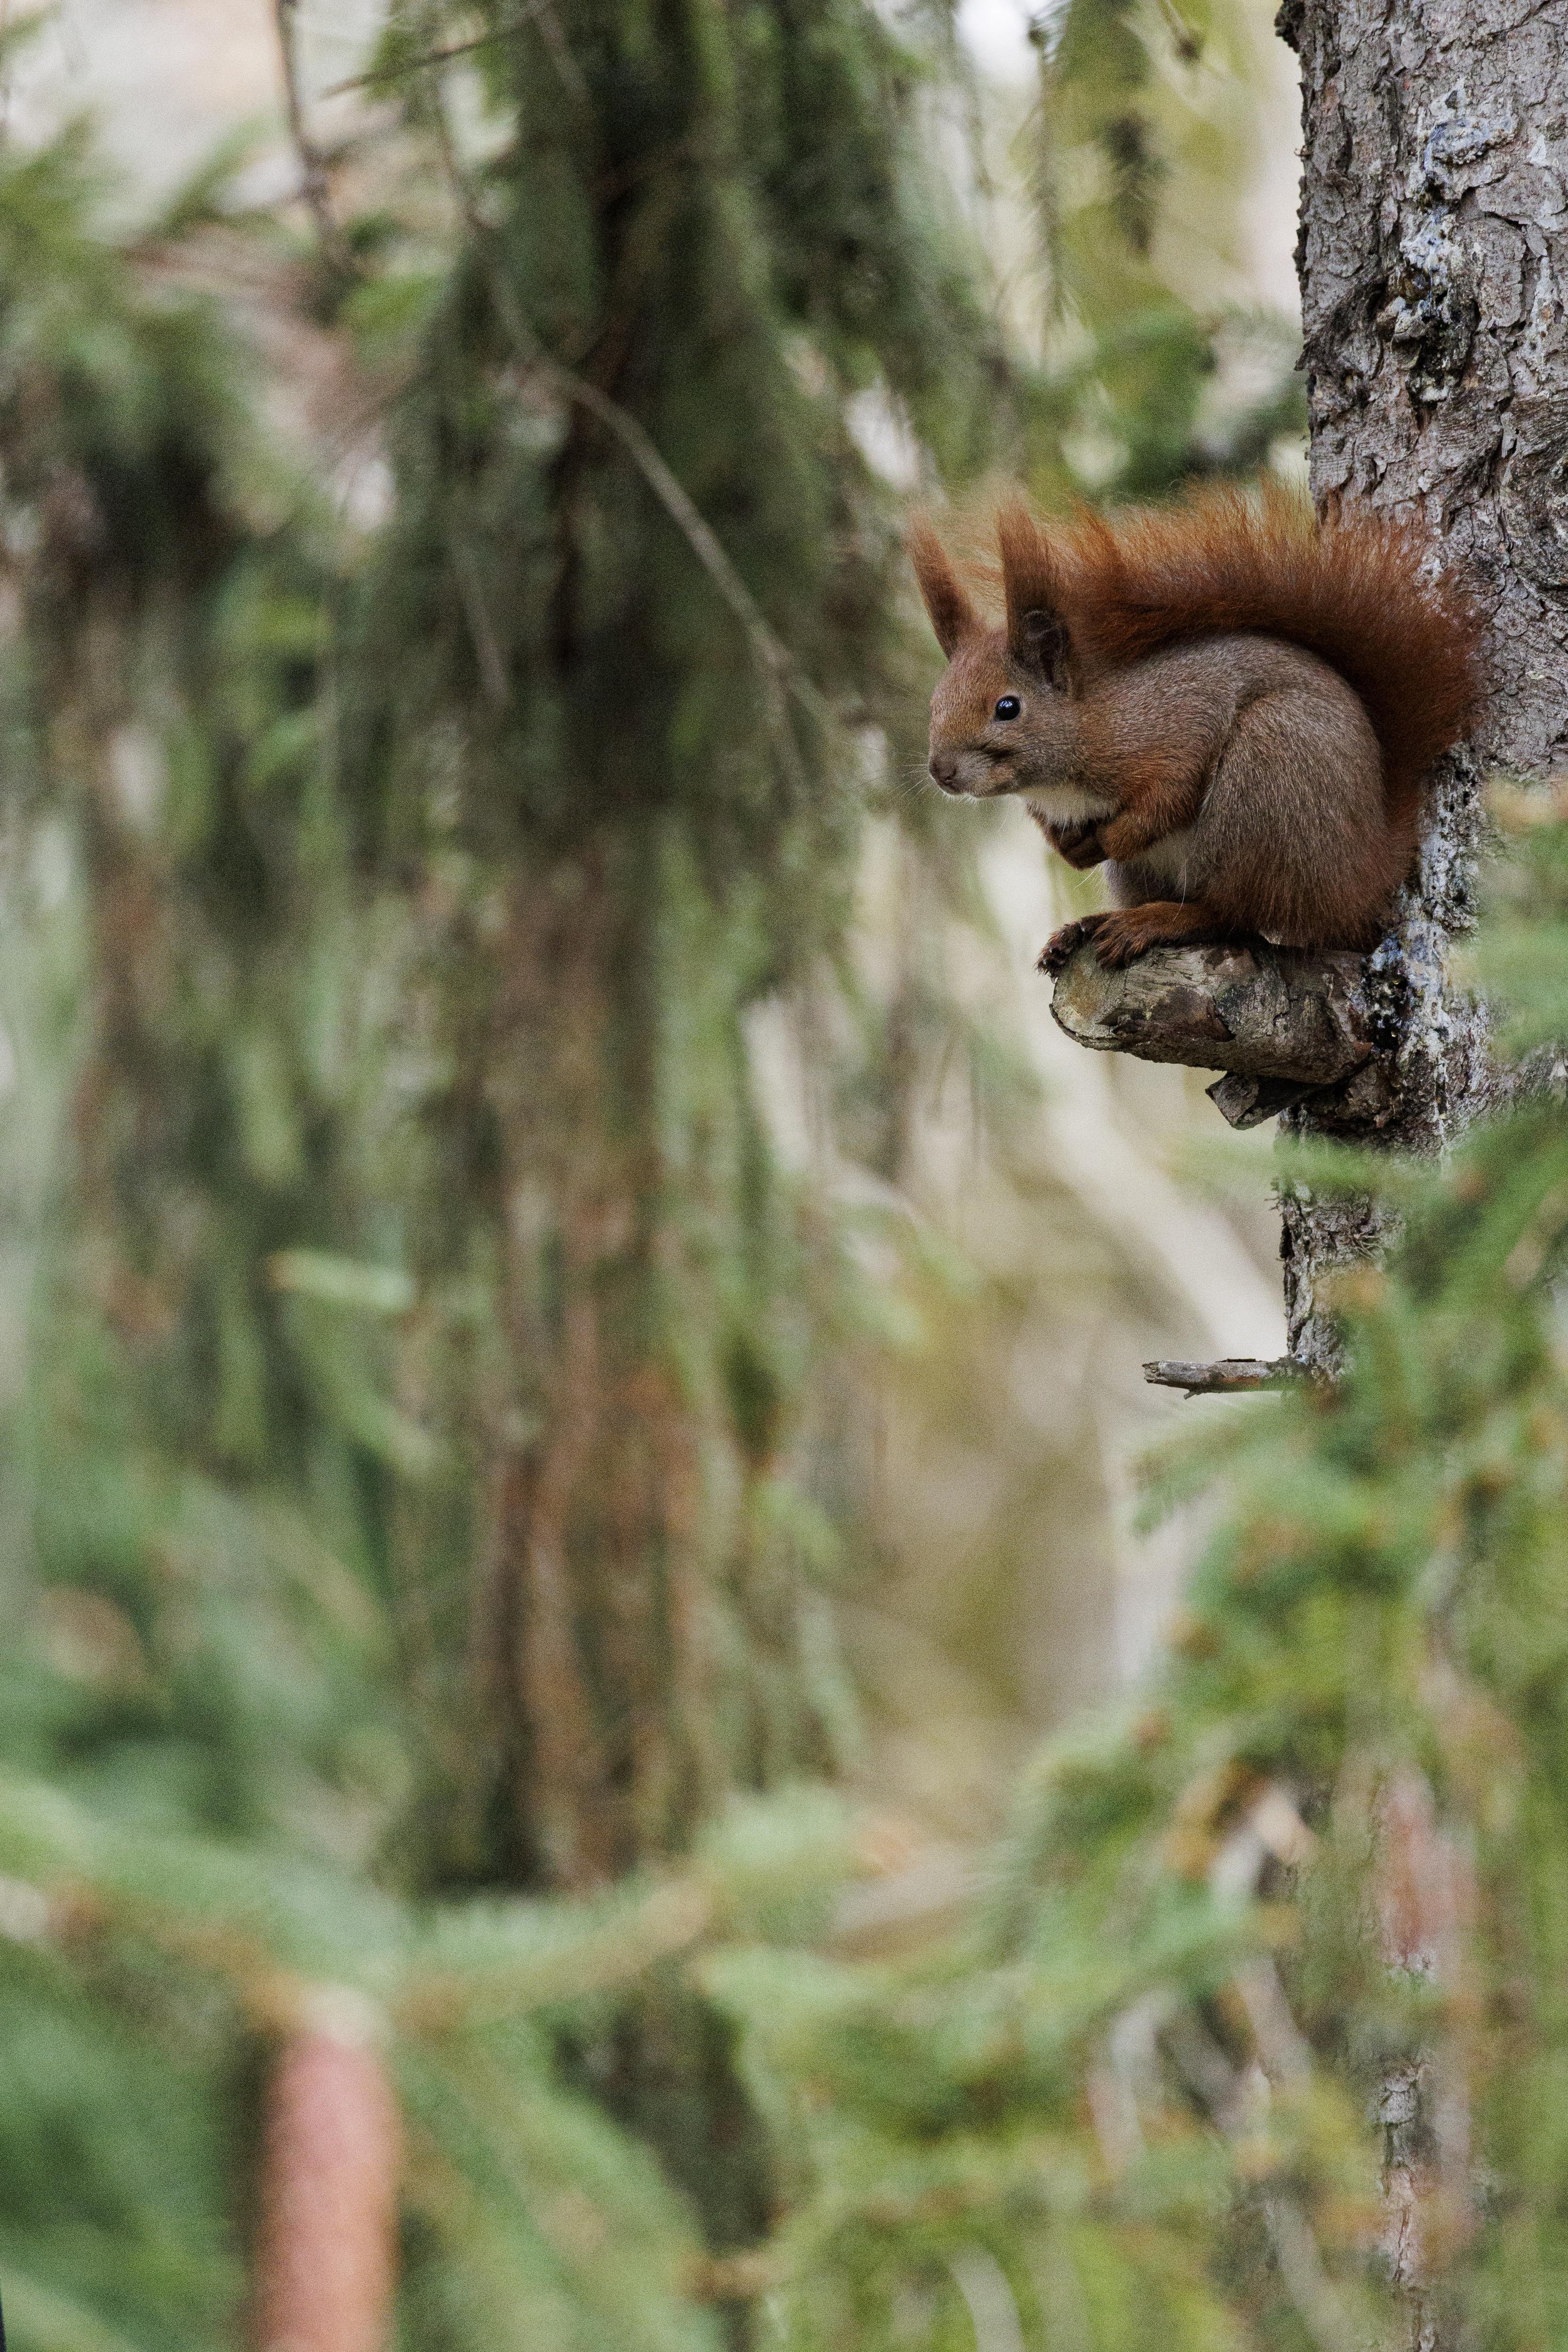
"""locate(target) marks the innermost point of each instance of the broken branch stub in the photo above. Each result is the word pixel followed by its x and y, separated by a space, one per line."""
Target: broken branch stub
pixel 1279 1021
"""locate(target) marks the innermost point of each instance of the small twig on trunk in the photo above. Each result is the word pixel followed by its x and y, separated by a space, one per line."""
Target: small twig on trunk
pixel 1232 1376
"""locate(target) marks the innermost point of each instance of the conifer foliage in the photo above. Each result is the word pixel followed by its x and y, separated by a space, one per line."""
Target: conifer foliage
pixel 1262 2042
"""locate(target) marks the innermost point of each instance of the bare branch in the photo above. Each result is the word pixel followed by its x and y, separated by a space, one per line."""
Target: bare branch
pixel 481 628
pixel 1232 1376
pixel 315 184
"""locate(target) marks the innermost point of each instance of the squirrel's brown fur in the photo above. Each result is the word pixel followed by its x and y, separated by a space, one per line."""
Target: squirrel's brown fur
pixel 1225 562
pixel 1098 617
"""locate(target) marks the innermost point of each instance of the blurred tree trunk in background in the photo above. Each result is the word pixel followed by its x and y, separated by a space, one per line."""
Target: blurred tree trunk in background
pixel 632 619
pixel 1434 241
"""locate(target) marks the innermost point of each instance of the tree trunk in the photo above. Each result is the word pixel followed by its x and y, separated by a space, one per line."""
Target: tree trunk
pixel 1432 249
pixel 594 1640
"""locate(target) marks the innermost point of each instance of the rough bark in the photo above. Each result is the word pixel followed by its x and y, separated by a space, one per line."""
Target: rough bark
pixel 606 1695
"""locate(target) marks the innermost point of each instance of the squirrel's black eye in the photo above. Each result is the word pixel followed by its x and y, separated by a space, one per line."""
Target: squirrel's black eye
pixel 1008 707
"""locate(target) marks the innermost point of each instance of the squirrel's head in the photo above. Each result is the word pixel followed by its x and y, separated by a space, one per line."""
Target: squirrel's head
pixel 1003 718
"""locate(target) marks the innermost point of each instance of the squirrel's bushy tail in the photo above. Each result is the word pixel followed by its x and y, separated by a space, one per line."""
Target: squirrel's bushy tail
pixel 1357 591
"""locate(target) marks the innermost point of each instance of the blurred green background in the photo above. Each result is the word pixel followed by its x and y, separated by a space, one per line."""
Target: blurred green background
pixel 569 1389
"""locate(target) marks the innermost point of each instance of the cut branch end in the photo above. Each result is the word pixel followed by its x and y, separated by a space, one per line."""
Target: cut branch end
pixel 1279 1022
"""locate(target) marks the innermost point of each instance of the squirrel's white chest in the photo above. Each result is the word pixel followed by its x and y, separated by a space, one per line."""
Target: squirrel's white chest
pixel 1067 803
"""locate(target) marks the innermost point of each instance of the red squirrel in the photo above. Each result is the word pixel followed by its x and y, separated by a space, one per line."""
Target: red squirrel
pixel 1230 706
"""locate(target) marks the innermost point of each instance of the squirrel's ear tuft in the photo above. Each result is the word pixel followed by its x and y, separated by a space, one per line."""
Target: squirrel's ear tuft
pixel 953 617
pixel 1038 634
pixel 1044 644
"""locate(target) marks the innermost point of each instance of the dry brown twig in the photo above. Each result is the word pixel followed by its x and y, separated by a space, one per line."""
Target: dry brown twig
pixel 315 179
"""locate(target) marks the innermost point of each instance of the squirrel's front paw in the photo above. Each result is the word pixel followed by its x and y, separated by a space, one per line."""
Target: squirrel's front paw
pixel 1063 944
pixel 1079 843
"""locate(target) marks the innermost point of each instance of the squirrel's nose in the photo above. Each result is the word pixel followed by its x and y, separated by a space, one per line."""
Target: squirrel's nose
pixel 945 774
